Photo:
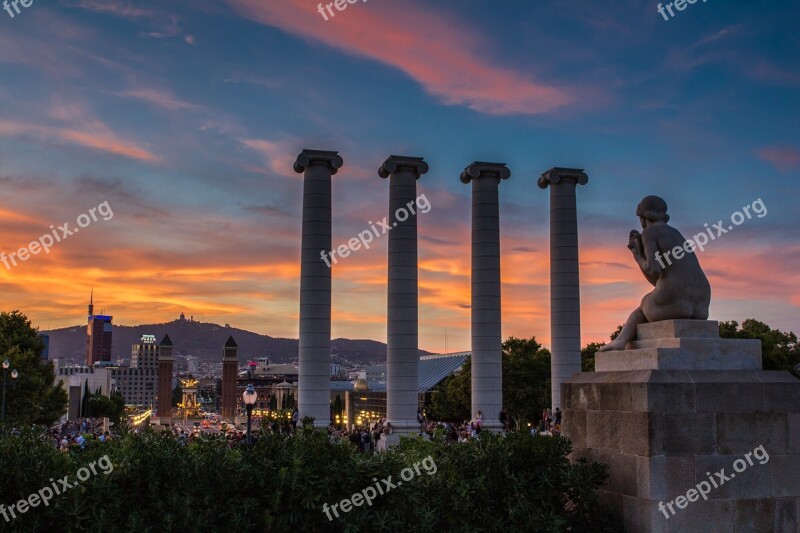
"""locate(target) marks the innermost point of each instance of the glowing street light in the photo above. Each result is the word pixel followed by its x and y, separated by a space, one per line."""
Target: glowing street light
pixel 14 376
pixel 249 396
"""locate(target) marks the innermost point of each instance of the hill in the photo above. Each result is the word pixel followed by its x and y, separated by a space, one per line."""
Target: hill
pixel 205 340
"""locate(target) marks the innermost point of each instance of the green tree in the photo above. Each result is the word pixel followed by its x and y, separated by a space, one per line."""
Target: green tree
pixel 779 350
pixel 86 410
pixel 290 401
pixel 101 406
pixel 34 399
pixel 526 385
pixel 338 405
pixel 450 400
pixel 587 355
pixel 118 412
pixel 177 395
pixel 526 379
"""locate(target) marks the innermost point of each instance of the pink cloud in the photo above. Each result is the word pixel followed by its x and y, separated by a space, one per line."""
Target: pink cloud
pixel 784 158
pixel 104 141
pixel 157 97
pixel 448 67
pixel 278 156
pixel 120 8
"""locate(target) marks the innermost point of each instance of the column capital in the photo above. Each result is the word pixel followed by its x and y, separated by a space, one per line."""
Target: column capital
pixel 478 169
pixel 318 157
pixel 398 162
pixel 557 174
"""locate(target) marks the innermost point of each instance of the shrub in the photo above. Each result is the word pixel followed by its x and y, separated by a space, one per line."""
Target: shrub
pixel 281 483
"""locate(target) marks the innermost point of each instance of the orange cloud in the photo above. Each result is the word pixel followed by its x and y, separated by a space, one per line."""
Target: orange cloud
pixel 448 67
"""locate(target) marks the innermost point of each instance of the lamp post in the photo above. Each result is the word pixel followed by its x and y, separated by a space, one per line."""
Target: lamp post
pixel 249 396
pixel 14 375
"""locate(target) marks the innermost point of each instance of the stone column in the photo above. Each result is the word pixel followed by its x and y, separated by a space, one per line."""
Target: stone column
pixel 565 301
pixel 230 371
pixel 165 362
pixel 487 343
pixel 402 353
pixel 314 380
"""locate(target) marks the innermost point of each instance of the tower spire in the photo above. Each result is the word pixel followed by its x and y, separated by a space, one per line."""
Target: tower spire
pixel 91 301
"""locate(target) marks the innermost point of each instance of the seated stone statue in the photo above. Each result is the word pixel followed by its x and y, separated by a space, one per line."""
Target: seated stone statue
pixel 681 288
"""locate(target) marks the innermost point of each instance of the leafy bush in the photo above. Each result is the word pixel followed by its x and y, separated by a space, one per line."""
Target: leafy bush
pixel 281 483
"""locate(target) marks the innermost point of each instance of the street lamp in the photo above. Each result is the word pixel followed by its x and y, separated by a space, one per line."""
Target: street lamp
pixel 249 396
pixel 14 375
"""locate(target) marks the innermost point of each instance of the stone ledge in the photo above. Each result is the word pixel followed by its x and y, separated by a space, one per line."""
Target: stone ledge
pixel 670 329
pixel 720 355
pixel 682 345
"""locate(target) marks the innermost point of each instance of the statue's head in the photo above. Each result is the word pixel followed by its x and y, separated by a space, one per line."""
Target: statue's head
pixel 652 208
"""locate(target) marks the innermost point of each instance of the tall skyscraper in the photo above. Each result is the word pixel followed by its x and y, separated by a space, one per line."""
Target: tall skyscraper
pixel 98 336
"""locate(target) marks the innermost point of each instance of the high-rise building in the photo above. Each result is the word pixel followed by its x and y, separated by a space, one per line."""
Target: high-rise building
pixel 137 382
pixel 145 354
pixel 98 336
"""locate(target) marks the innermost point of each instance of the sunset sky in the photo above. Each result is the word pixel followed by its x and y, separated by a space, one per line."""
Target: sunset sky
pixel 186 117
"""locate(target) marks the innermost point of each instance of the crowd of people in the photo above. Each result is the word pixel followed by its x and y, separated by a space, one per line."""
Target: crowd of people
pixel 78 433
pixel 368 438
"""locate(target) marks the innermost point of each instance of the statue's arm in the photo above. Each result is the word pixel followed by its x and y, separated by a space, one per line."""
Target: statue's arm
pixel 647 262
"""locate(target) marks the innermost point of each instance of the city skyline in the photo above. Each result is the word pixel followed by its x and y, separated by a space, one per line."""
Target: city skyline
pixel 189 137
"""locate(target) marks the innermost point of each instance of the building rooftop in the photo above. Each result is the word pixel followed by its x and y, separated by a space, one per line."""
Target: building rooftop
pixel 432 370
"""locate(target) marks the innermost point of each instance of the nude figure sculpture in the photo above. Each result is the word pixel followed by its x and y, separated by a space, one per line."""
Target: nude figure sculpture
pixel 681 288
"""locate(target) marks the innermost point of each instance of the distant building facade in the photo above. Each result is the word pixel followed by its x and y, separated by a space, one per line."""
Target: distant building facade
pixel 98 336
pixel 145 353
pixel 75 380
pixel 137 383
pixel 46 350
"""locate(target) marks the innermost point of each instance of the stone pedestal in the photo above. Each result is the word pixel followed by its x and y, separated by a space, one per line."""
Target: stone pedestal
pixel 674 410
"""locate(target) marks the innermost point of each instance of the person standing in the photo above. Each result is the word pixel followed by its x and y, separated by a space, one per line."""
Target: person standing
pixel 504 419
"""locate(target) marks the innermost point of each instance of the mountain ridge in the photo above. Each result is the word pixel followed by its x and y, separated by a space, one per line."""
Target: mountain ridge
pixel 205 340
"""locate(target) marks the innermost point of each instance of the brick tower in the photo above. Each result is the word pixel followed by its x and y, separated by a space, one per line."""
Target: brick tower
pixel 230 368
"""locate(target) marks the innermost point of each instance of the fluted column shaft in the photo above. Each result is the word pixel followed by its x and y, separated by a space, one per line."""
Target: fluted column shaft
pixel 565 301
pixel 314 356
pixel 487 343
pixel 402 338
